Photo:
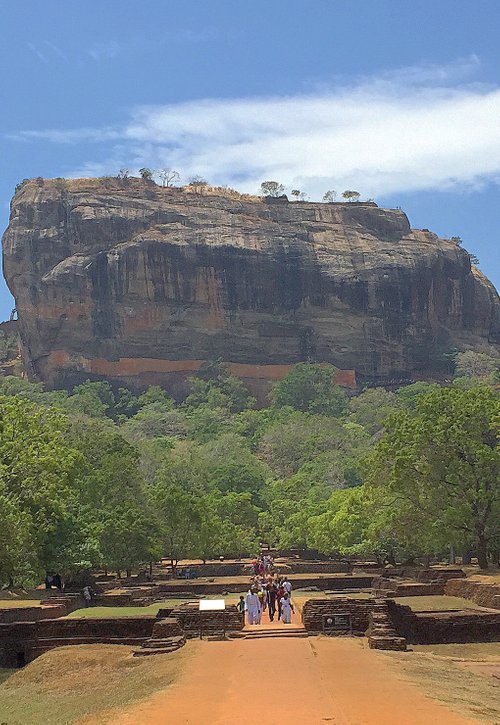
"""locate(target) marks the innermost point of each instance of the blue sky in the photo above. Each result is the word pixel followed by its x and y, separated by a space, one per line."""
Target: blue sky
pixel 395 98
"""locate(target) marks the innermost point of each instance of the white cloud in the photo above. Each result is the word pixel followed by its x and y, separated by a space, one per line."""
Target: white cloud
pixel 419 128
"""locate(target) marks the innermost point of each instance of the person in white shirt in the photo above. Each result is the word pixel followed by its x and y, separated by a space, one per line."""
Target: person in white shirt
pixel 253 607
pixel 287 587
pixel 286 609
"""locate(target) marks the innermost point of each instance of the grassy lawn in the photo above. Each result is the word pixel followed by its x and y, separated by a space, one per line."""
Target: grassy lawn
pixel 69 683
pixel 436 603
pixel 152 609
pixel 299 596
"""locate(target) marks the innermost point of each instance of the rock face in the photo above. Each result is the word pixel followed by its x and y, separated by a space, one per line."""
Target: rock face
pixel 130 281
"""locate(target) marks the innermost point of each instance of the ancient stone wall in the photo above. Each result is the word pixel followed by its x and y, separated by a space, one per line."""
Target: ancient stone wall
pixel 315 567
pixel 484 594
pixel 195 622
pixel 381 586
pixel 381 630
pixel 443 627
pixel 314 610
pixel 333 582
pixel 30 639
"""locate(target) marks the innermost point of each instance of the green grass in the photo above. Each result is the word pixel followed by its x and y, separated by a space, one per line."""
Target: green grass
pixel 152 609
pixel 20 603
pixel 436 603
pixel 68 683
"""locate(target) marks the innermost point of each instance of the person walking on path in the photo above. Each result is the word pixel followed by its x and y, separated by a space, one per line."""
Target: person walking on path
pixel 279 596
pixel 271 600
pixel 88 595
pixel 242 607
pixel 286 609
pixel 287 586
pixel 253 607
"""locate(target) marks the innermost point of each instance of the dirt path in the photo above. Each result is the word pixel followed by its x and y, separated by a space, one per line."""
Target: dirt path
pixel 311 680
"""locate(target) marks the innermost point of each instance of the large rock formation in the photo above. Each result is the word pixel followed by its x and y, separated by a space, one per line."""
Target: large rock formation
pixel 127 280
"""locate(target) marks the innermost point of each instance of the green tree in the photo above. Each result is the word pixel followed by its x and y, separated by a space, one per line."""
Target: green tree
pixel 180 519
pixel 471 364
pixel 216 388
pixel 113 497
pixel 272 188
pixel 329 196
pixel 155 394
pixel 309 387
pixel 155 421
pixel 350 195
pixel 95 399
pixel 146 174
pixel 409 395
pixel 372 407
pixel 19 563
pixel 441 462
pixel 20 185
pixel 38 470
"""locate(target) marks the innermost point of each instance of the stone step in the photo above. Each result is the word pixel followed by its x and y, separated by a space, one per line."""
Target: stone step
pixel 170 641
pixel 279 633
pixel 157 651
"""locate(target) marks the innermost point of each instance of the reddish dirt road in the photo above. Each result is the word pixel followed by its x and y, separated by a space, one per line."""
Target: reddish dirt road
pixel 307 681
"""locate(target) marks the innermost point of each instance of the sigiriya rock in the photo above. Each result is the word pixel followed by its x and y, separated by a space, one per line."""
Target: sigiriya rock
pixel 125 280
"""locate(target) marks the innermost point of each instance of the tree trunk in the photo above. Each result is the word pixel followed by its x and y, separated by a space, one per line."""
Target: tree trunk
pixel 128 572
pixel 452 555
pixel 118 574
pixel 150 569
pixel 482 551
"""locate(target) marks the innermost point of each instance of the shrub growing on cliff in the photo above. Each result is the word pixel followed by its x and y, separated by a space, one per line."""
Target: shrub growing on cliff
pixel 168 177
pixel 350 195
pixel 146 174
pixel 197 181
pixel 19 186
pixel 272 188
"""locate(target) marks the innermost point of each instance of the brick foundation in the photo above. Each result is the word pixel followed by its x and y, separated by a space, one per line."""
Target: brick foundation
pixel 382 586
pixel 314 610
pixel 21 642
pixel 486 595
pixel 381 631
pixel 443 627
pixel 193 622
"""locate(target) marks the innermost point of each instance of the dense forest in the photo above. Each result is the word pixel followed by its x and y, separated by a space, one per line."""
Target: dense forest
pixel 103 478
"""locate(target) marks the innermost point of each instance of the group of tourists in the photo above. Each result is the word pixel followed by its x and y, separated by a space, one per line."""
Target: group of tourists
pixel 263 565
pixel 268 593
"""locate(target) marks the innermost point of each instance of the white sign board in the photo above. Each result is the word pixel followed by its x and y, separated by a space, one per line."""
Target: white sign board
pixel 211 605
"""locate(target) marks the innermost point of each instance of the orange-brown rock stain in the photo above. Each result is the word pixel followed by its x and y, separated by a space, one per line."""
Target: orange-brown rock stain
pixel 136 367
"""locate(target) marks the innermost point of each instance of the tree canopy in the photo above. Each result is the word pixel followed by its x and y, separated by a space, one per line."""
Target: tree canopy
pixel 104 477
